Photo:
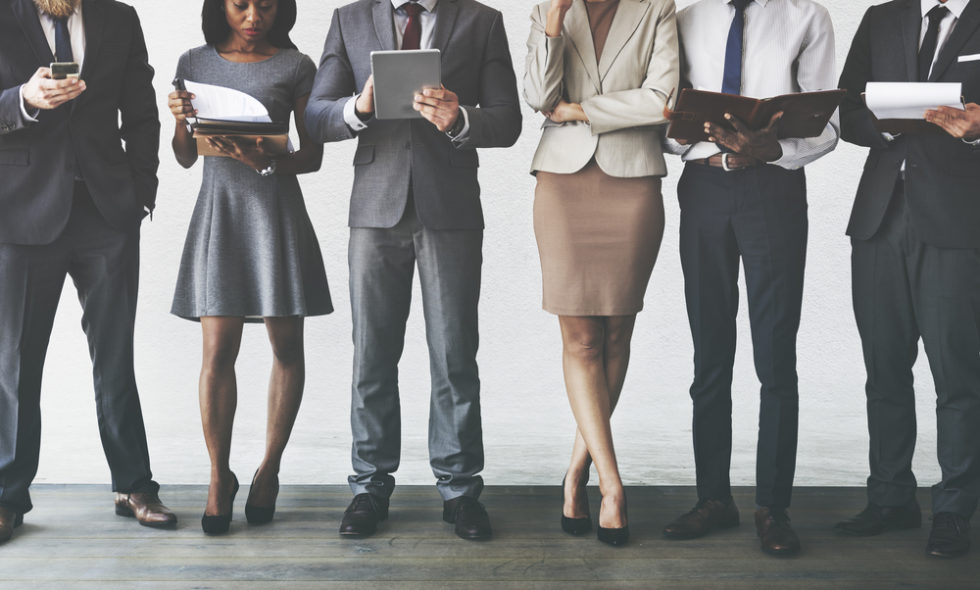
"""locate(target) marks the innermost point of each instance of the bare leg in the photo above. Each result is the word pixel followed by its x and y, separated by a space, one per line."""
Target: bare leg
pixel 219 398
pixel 588 393
pixel 618 334
pixel 285 395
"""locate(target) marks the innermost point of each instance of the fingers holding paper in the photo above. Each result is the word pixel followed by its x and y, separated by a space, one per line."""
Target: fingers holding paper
pixel 960 123
pixel 762 144
pixel 179 103
pixel 440 106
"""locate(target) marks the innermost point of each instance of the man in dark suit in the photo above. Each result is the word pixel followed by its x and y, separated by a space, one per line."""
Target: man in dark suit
pixel 72 198
pixel 915 233
pixel 416 200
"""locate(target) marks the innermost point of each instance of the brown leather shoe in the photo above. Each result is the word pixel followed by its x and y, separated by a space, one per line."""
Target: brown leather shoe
pixel 774 531
pixel 708 515
pixel 9 520
pixel 147 508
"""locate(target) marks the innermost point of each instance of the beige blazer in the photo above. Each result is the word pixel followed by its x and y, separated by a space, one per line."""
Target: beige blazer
pixel 623 95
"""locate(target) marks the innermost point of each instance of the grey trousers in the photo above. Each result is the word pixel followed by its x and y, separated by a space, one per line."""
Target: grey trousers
pixel 905 289
pixel 104 265
pixel 382 264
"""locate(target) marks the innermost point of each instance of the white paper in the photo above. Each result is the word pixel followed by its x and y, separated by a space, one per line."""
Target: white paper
pixel 227 104
pixel 911 100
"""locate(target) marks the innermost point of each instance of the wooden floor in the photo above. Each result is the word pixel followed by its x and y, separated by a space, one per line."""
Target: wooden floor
pixel 73 540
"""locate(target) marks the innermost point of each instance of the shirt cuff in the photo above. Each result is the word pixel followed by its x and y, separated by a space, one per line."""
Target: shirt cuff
pixel 350 115
pixel 28 118
pixel 890 137
pixel 464 133
pixel 787 160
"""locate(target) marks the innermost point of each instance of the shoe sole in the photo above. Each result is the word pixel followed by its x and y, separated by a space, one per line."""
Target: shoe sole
pixel 685 536
pixel 875 533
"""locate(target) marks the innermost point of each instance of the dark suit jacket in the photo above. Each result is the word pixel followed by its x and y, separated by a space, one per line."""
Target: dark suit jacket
pixel 37 160
pixel 942 173
pixel 476 65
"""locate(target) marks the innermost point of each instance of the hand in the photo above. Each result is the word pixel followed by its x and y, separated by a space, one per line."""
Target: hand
pixel 43 92
pixel 251 153
pixel 566 111
pixel 762 144
pixel 365 102
pixel 556 17
pixel 963 124
pixel 439 106
pixel 179 102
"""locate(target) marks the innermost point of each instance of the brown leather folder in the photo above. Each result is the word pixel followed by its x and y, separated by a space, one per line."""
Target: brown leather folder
pixel 805 114
pixel 275 144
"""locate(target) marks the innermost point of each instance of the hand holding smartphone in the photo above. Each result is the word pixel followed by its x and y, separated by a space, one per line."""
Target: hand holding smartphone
pixel 61 70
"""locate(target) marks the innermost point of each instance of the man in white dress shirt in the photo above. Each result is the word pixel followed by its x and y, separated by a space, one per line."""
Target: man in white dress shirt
pixel 743 195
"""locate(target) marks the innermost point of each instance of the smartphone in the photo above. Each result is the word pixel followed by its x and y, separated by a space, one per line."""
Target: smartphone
pixel 61 70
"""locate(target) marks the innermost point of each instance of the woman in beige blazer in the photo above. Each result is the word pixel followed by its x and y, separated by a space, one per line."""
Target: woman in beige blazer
pixel 601 71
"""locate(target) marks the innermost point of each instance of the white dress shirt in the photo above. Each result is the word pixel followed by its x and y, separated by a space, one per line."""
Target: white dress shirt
pixel 788 47
pixel 76 30
pixel 427 18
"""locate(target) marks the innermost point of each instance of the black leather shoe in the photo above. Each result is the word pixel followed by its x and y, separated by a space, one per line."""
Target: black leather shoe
pixel 875 519
pixel 576 526
pixel 219 524
pixel 363 515
pixel 470 517
pixel 777 536
pixel 256 514
pixel 614 537
pixel 9 520
pixel 708 515
pixel 950 536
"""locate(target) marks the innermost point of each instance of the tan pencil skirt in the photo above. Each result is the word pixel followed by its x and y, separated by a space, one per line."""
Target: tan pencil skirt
pixel 598 237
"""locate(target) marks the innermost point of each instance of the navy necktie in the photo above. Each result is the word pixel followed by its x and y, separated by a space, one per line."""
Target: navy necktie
pixel 732 82
pixel 62 40
pixel 927 53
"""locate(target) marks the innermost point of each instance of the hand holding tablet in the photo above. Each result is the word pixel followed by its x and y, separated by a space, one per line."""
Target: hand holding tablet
pixel 399 76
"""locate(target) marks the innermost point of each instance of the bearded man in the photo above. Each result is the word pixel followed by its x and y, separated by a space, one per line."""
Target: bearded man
pixel 75 187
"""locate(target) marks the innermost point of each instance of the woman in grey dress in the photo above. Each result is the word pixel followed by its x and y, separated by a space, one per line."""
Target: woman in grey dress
pixel 251 254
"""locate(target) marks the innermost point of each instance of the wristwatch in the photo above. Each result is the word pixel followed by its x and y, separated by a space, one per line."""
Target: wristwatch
pixel 268 170
pixel 457 127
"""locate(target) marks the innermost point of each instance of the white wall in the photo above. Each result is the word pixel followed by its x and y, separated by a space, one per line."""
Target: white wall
pixel 527 423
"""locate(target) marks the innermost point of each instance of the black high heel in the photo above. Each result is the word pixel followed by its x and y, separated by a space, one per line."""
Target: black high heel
pixel 575 526
pixel 615 537
pixel 219 523
pixel 259 514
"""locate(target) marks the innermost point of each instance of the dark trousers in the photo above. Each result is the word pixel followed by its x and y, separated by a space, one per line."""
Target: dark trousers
pixel 758 215
pixel 382 267
pixel 104 265
pixel 905 289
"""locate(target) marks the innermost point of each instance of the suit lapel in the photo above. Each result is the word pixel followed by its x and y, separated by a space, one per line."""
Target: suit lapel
pixel 384 26
pixel 911 26
pixel 962 32
pixel 577 31
pixel 26 14
pixel 625 22
pixel 445 21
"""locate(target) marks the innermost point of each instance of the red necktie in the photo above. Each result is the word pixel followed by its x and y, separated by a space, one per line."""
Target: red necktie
pixel 413 30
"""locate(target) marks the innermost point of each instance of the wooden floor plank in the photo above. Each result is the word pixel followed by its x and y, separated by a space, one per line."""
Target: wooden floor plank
pixel 73 539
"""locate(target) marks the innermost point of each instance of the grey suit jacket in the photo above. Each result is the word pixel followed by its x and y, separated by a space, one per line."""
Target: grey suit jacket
pixel 623 95
pixel 476 65
pixel 942 174
pixel 39 160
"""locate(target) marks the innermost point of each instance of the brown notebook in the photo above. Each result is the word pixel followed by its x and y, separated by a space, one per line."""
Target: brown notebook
pixel 805 114
pixel 276 144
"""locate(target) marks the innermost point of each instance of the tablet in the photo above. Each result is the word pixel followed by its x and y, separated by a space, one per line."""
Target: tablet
pixel 398 75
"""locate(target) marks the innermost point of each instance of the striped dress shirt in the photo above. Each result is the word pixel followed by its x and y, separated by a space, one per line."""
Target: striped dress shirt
pixel 788 47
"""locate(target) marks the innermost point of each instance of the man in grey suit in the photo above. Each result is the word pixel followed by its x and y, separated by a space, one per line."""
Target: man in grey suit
pixel 72 198
pixel 915 265
pixel 416 200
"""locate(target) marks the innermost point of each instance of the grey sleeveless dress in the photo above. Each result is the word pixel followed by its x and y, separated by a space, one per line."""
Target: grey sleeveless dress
pixel 251 250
